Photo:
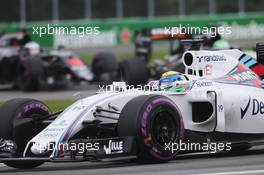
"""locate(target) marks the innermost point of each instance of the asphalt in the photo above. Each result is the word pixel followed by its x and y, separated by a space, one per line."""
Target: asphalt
pixel 250 162
pixel 61 94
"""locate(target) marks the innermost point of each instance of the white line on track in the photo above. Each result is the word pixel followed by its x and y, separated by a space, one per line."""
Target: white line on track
pixel 236 172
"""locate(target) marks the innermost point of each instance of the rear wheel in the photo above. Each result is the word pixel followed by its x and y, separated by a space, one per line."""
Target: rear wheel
pixel 104 67
pixel 134 71
pixel 17 124
pixel 155 122
pixel 30 72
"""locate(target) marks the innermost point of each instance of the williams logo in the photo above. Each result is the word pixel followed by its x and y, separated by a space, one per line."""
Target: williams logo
pixel 257 108
pixel 211 58
pixel 114 147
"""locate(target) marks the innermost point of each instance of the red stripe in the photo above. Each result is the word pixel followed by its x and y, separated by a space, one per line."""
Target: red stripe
pixel 68 131
pixel 241 67
pixel 256 83
pixel 258 69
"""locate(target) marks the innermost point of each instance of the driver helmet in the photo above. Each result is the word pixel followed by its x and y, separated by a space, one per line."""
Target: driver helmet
pixel 33 48
pixel 170 81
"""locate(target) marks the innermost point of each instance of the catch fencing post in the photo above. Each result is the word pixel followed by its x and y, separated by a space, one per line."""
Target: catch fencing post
pixel 22 6
pixel 182 7
pixel 55 11
pixel 151 8
pixel 241 7
pixel 119 8
pixel 212 7
pixel 88 9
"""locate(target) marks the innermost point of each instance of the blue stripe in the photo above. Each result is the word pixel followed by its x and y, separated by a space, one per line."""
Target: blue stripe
pixel 56 153
pixel 245 58
pixel 251 63
pixel 64 133
pixel 232 71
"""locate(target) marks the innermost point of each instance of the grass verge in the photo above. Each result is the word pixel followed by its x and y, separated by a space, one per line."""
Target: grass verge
pixel 56 105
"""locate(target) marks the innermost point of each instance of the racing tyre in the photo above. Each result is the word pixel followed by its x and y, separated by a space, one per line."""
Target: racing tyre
pixel 30 73
pixel 19 123
pixel 155 122
pixel 104 67
pixel 133 71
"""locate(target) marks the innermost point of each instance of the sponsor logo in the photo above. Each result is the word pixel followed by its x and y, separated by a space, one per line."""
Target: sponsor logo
pixel 244 111
pixel 54 129
pixel 59 123
pixel 204 84
pixel 208 69
pixel 257 108
pixel 48 135
pixel 211 58
pixel 114 147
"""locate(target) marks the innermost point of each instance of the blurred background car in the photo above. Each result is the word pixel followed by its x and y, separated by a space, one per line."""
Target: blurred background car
pixel 24 65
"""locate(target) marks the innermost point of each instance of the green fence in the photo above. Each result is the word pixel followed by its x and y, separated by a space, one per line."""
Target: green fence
pixel 115 32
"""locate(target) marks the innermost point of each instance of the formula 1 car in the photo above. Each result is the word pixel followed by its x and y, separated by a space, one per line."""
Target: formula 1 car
pixel 31 68
pixel 218 100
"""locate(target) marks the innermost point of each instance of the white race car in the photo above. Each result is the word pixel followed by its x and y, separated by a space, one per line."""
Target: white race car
pixel 218 101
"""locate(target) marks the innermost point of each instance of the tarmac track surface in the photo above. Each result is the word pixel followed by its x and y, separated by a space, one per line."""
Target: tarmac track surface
pixel 250 162
pixel 67 93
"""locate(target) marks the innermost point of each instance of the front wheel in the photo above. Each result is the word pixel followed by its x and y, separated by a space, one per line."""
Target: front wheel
pixel 19 125
pixel 155 122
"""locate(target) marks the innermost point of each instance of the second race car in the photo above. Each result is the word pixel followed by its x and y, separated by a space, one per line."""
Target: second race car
pixel 29 67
